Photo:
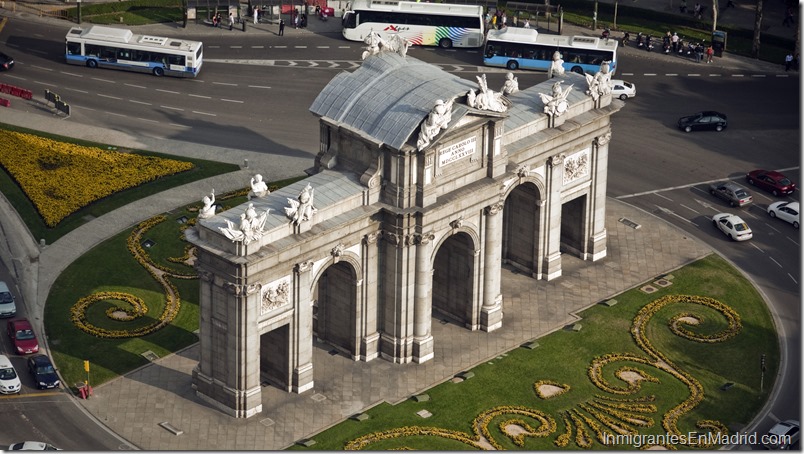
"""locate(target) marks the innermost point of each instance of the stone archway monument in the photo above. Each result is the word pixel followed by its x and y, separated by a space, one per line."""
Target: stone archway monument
pixel 425 185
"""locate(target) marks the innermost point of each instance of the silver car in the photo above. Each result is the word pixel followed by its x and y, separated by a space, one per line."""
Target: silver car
pixel 731 192
pixel 7 306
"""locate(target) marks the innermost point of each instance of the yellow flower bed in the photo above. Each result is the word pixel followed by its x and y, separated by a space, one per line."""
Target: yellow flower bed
pixel 61 178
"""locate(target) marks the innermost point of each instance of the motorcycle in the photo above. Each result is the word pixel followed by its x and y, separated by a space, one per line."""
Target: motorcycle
pixel 640 40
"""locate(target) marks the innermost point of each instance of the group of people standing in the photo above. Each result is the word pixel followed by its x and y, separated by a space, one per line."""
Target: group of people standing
pixel 217 20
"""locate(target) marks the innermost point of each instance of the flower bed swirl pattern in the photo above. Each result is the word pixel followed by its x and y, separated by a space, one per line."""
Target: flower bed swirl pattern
pixel 602 417
pixel 135 307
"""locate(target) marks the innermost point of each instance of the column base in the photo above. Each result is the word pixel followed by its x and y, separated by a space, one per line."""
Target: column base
pixel 423 349
pixel 597 246
pixel 370 347
pixel 491 317
pixel 237 403
pixel 396 350
pixel 552 266
pixel 302 379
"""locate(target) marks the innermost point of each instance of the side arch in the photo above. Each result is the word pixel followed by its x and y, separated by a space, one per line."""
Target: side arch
pixel 335 293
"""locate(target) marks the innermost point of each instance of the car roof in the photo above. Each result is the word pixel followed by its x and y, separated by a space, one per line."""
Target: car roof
pixel 730 185
pixel 782 427
pixel 3 287
pixel 40 359
pixel 21 323
pixel 4 361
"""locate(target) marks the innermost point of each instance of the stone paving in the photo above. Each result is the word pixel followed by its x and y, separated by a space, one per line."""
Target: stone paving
pixel 134 405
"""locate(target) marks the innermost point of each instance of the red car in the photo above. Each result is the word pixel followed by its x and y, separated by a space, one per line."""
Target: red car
pixel 771 181
pixel 22 337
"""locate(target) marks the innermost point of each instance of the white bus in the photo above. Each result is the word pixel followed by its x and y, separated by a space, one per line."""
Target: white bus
pixel 525 48
pixel 422 24
pixel 117 48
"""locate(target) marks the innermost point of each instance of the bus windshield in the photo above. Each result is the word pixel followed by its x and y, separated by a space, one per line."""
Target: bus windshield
pixel 117 48
pixel 423 24
pixel 516 48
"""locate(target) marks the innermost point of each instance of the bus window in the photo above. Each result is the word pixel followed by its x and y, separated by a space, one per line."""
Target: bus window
pixel 74 48
pixel 177 60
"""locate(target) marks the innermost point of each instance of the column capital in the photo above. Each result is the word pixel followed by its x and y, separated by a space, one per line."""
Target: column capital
pixel 603 139
pixel 303 267
pixel 424 238
pixel 491 210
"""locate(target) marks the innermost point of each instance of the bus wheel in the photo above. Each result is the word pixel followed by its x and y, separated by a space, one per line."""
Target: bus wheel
pixel 577 70
pixel 92 63
pixel 512 65
pixel 159 72
pixel 445 43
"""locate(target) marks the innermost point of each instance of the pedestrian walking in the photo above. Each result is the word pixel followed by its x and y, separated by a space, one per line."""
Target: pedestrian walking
pixel 256 14
pixel 218 20
pixel 788 61
pixel 710 52
pixel 296 21
pixel 674 42
pixel 526 24
pixel 231 21
pixel 281 27
pixel 699 51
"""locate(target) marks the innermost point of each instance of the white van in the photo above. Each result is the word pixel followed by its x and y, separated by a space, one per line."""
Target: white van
pixel 7 306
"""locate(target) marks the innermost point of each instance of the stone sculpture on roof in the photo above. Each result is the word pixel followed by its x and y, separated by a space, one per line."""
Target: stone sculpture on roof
pixel 511 85
pixel 487 99
pixel 258 187
pixel 556 104
pixel 302 209
pixel 208 210
pixel 557 66
pixel 251 226
pixel 600 83
pixel 436 120
pixel 375 44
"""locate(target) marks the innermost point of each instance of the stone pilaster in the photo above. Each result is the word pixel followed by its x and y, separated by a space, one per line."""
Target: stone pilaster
pixel 370 343
pixel 396 341
pixel 596 243
pixel 552 217
pixel 491 310
pixel 302 329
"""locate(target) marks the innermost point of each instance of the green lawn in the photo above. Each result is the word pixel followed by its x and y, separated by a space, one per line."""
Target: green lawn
pixel 565 356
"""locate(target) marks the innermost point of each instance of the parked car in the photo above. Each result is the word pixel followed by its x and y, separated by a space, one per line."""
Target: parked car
pixel 43 372
pixel 622 89
pixel 731 192
pixel 6 62
pixel 32 446
pixel 783 435
pixel 7 306
pixel 22 337
pixel 708 120
pixel 772 181
pixel 9 380
pixel 786 211
pixel 733 226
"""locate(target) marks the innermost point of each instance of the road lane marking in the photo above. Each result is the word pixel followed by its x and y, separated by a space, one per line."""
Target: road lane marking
pixel 774 261
pixel 148 120
pixel 172 108
pixel 757 247
pixel 135 86
pixel 231 100
pixel 774 228
pixel 757 75
pixel 109 96
pixel 70 74
pixel 75 89
pixel 41 67
pixel 200 96
pixel 685 206
pixel 737 75
pixel 666 198
pixel 258 86
pixel 225 83
pixel 794 241
pixel 258 47
pixel 116 114
pixel 140 102
pixel 45 84
pixel 168 91
pixel 204 113
pixel 670 212
pixel 671 75
pixel 103 80
pixel 791 277
pixel 685 186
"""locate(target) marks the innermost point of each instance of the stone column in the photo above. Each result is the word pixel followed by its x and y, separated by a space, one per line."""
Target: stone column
pixel 301 342
pixel 423 301
pixel 491 311
pixel 396 340
pixel 552 217
pixel 596 243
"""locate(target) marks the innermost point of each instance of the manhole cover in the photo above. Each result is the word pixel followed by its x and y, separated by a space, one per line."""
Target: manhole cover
pixel 648 289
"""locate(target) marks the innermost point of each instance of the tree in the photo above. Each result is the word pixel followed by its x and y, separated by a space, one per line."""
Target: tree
pixel 757 30
pixel 714 15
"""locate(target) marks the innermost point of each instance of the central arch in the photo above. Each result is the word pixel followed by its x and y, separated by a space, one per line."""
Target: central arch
pixel 521 226
pixel 453 278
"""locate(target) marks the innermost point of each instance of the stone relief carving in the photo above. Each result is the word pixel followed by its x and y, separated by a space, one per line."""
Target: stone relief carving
pixel 556 66
pixel 456 224
pixel 603 140
pixel 487 99
pixel 523 171
pixel 555 104
pixel 576 166
pixel 302 209
pixel 436 120
pixel 511 85
pixel 424 238
pixel 258 187
pixel 252 288
pixel 251 226
pixel 274 296
pixel 337 251
pixel 232 288
pixel 371 238
pixel 208 210
pixel 600 83
pixel 304 267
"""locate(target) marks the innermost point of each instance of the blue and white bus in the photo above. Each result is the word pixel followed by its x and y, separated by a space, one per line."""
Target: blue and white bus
pixel 422 24
pixel 117 48
pixel 526 48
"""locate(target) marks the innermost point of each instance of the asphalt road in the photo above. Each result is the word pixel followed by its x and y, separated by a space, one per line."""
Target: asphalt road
pixel 254 93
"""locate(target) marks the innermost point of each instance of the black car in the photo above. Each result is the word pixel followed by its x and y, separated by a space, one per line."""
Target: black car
pixel 703 121
pixel 6 62
pixel 43 372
